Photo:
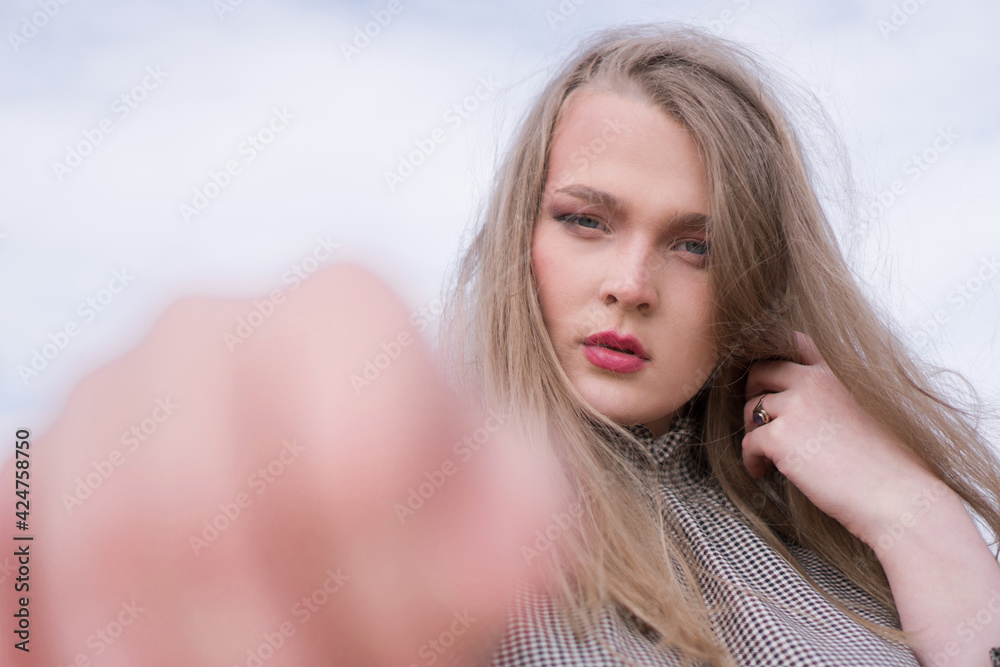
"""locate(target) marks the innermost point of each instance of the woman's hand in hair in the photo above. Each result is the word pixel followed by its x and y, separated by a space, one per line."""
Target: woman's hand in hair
pixel 822 441
pixel 284 495
pixel 944 579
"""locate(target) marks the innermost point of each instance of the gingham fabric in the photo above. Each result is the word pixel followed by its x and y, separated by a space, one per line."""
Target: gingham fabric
pixel 792 625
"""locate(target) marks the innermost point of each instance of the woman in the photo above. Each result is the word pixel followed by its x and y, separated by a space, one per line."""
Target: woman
pixel 759 473
pixel 765 473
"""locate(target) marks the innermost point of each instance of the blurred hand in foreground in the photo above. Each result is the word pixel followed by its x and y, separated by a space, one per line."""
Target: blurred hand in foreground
pixel 250 496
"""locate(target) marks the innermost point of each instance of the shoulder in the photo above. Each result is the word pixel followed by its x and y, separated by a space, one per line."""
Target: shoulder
pixel 539 632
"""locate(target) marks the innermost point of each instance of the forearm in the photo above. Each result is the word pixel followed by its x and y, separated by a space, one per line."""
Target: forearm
pixel 945 581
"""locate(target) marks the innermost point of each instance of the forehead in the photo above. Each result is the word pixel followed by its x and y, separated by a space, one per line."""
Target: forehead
pixel 627 147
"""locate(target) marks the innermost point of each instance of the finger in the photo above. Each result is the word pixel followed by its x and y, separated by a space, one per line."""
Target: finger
pixel 808 352
pixel 429 535
pixel 131 540
pixel 754 458
pixel 113 516
pixel 771 404
pixel 778 375
pixel 770 376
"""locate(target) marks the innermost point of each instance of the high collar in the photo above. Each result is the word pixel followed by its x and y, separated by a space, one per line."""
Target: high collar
pixel 681 434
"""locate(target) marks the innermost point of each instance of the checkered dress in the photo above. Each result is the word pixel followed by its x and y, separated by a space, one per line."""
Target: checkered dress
pixel 792 625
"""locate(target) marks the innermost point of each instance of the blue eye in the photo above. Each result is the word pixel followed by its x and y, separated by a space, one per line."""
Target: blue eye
pixel 698 244
pixel 575 218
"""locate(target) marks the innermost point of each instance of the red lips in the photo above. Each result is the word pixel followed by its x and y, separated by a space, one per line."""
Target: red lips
pixel 613 340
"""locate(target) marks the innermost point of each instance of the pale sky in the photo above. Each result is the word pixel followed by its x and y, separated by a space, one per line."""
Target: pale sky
pixel 113 115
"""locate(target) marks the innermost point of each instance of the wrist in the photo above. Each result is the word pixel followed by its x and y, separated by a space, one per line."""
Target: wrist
pixel 914 516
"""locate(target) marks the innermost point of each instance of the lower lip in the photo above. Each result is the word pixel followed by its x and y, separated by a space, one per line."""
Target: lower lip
pixel 619 362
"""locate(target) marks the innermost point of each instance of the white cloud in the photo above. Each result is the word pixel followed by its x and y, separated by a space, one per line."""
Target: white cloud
pixel 353 120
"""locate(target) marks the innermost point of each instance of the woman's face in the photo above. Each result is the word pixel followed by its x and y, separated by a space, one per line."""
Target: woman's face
pixel 620 246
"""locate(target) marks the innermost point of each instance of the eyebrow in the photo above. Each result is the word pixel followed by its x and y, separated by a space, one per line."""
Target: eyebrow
pixel 686 221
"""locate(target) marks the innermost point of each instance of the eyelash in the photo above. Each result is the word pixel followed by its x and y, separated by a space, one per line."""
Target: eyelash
pixel 570 218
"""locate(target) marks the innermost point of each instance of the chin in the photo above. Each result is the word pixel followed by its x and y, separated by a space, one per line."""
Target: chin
pixel 619 411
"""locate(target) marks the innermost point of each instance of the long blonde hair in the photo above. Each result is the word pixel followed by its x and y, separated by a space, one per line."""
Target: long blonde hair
pixel 775 268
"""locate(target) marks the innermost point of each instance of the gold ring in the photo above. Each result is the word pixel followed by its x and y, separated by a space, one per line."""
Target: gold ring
pixel 760 416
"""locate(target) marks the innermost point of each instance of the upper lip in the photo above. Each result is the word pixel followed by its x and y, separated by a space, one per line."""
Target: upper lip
pixel 614 339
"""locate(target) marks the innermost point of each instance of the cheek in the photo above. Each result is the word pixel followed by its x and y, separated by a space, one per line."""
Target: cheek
pixel 543 257
pixel 689 314
pixel 549 278
pixel 702 332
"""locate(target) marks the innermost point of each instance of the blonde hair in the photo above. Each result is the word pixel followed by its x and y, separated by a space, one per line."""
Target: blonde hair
pixel 775 268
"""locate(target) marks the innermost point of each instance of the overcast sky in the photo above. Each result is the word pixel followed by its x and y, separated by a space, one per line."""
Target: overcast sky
pixel 118 122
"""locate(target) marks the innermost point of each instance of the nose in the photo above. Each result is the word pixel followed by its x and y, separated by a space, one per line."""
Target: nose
pixel 629 281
